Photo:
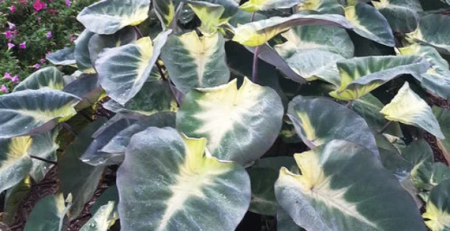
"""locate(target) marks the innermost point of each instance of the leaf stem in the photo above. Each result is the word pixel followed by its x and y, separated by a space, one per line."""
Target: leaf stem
pixel 138 31
pixel 385 127
pixel 44 160
pixel 255 65
pixel 349 104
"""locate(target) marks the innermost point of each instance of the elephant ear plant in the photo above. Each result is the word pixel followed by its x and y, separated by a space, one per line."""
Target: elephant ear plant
pixel 236 115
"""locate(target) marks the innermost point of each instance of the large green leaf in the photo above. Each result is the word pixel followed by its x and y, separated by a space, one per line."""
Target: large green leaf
pixel 326 38
pixel 44 146
pixel 209 14
pixel 408 108
pixel 33 111
pixel 81 52
pixel 230 6
pixel 75 177
pixel 110 194
pixel 402 15
pixel 87 88
pixel 13 200
pixel 370 24
pixel 260 5
pixel 343 186
pixel 240 124
pixel 46 77
pixel 443 118
pixel 263 195
pixel 123 70
pixel 259 32
pixel 285 222
pixel 369 108
pixel 434 30
pixel 437 78
pixel 94 154
pixel 65 57
pixel 49 214
pixel 196 62
pixel 155 96
pixel 100 220
pixel 319 120
pixel 109 16
pixel 15 163
pixel 120 141
pixel 441 172
pixel 99 42
pixel 362 75
pixel 165 10
pixel 437 215
pixel 420 155
pixel 168 182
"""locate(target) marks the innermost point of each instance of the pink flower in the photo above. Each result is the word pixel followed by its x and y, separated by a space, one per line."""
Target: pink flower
pixel 8 34
pixel 11 26
pixel 38 5
pixel 72 39
pixel 7 76
pixel 68 3
pixel 15 79
pixel 37 66
pixel 4 89
pixel 23 45
pixel 10 46
pixel 39 19
pixel 23 2
pixel 48 35
pixel 42 60
pixel 12 8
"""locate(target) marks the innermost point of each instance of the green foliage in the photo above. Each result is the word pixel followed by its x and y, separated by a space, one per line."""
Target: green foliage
pixel 312 113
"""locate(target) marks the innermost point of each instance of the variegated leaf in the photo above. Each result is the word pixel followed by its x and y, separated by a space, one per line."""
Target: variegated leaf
pixel 195 191
pixel 362 75
pixel 434 30
pixel 65 57
pixel 165 10
pixel 239 124
pixel 257 33
pixel 370 24
pixel 343 186
pixel 420 155
pixel 46 77
pixel 408 108
pixel 99 42
pixel 123 70
pixel 109 16
pixel 443 118
pixel 322 6
pixel 34 111
pixel 319 120
pixel 326 38
pixel 437 215
pixel 437 78
pixel 196 62
pixel 100 220
pixel 49 213
pixel 87 88
pixel 44 146
pixel 81 52
pixel 15 163
pixel 402 15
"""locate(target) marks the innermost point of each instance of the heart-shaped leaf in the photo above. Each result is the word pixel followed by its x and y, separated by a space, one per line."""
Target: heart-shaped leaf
pixel 34 111
pixel 49 213
pixel 261 5
pixel 123 70
pixel 109 16
pixel 81 52
pixel 370 24
pixel 257 33
pixel 240 124
pixel 44 146
pixel 100 220
pixel 434 30
pixel 322 6
pixel 443 118
pixel 343 186
pixel 196 62
pixel 362 75
pixel 165 10
pixel 319 120
pixel 408 108
pixel 15 163
pixel 420 155
pixel 76 177
pixel 65 57
pixel 195 190
pixel 437 78
pixel 99 42
pixel 87 88
pixel 402 15
pixel 46 77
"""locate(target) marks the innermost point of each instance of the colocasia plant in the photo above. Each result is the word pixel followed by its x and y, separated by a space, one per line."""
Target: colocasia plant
pixel 228 115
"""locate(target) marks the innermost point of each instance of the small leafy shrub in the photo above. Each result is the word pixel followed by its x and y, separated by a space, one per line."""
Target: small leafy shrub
pixel 311 114
pixel 30 30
